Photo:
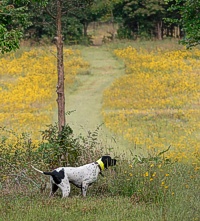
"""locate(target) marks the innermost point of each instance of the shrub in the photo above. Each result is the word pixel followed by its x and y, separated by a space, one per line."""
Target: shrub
pixel 59 149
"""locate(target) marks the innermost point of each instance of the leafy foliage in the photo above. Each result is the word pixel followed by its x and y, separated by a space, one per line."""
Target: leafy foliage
pixel 59 148
pixel 189 19
pixel 76 16
pixel 16 155
pixel 137 19
pixel 141 18
pixel 9 40
pixel 13 20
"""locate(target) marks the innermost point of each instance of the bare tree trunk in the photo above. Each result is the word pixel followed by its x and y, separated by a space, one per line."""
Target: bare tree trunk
pixel 113 26
pixel 60 68
pixel 85 27
pixel 159 31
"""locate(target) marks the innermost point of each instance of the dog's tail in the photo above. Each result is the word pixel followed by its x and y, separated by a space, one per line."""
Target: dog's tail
pixel 46 173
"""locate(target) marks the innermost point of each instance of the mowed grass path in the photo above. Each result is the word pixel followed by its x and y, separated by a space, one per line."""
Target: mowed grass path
pixel 85 96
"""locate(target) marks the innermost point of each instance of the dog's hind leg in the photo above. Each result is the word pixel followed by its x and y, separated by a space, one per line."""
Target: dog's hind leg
pixel 54 188
pixel 84 188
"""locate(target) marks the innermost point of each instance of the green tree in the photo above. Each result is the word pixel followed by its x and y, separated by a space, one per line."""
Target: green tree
pixel 44 26
pixel 143 18
pixel 87 11
pixel 76 16
pixel 13 20
pixel 189 20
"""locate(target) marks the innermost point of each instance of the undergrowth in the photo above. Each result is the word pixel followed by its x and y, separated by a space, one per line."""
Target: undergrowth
pixel 153 180
pixel 147 179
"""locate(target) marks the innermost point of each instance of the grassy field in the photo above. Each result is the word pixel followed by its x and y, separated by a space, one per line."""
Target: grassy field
pixel 148 186
pixel 172 195
pixel 92 208
pixel 36 208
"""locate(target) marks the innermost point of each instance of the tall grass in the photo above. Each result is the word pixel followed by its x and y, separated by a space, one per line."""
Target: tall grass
pixel 142 188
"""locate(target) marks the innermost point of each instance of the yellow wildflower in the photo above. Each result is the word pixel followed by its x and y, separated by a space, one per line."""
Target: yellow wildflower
pixel 166 87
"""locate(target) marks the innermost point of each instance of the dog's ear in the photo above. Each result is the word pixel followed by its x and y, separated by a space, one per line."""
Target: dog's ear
pixel 113 162
pixel 108 161
pixel 58 176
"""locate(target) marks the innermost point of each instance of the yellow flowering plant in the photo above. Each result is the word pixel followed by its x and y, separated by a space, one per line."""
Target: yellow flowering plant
pixel 28 87
pixel 155 104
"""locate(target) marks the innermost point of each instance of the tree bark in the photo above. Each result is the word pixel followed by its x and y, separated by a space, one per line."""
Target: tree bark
pixel 85 27
pixel 60 69
pixel 159 31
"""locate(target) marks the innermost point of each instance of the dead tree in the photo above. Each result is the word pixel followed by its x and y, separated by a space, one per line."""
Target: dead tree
pixel 60 68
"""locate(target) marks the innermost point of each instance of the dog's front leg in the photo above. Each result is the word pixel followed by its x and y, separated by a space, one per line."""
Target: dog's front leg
pixel 53 187
pixel 65 187
pixel 84 188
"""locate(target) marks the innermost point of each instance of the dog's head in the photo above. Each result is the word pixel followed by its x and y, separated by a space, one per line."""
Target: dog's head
pixel 108 161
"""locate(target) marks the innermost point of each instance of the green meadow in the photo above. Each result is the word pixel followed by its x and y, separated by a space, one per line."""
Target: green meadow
pixel 146 184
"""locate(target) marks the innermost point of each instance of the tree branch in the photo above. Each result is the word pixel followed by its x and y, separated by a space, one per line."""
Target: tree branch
pixel 48 11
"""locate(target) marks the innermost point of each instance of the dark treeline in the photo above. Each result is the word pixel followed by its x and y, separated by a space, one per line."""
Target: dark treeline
pixel 134 19
pixel 147 19
pixel 144 19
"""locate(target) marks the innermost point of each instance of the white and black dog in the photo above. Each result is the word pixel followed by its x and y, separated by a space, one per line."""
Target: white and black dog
pixel 82 177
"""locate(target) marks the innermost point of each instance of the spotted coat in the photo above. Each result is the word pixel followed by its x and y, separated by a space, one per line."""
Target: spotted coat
pixel 82 177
